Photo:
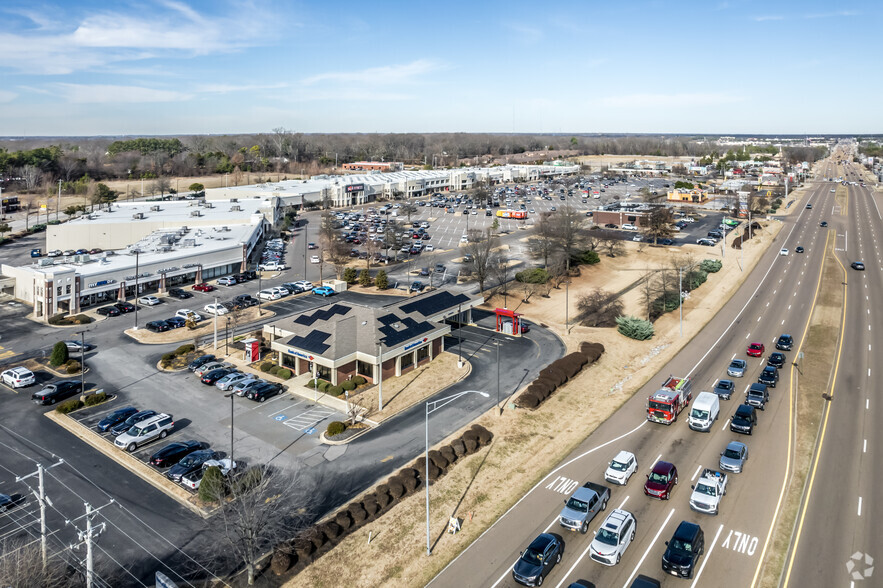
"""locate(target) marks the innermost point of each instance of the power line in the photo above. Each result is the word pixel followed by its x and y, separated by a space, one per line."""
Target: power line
pixel 87 536
pixel 42 500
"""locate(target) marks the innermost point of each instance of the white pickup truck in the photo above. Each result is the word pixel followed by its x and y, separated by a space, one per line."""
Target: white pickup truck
pixel 708 491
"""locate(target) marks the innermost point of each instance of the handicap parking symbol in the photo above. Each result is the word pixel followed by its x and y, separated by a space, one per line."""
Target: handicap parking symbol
pixel 310 431
pixel 280 417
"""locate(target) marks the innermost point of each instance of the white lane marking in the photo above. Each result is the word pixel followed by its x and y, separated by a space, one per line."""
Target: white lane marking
pixel 859 506
pixel 726 424
pixel 699 469
pixel 869 372
pixel 867 403
pixel 655 461
pixel 789 307
pixel 734 355
pixel 758 318
pixel 707 556
pixel 865 447
pixel 526 494
pixel 783 321
pixel 746 336
pixel 767 303
pixel 582 555
pixel 649 547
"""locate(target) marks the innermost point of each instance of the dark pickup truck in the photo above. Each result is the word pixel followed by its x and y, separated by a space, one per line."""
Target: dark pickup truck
pixel 583 505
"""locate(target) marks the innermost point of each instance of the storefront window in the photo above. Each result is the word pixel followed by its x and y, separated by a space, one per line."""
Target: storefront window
pixel 323 372
pixel 407 360
pixel 364 369
pixel 422 353
pixel 289 360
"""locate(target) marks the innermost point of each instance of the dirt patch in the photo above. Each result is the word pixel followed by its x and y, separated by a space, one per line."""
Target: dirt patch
pixel 815 373
pixel 479 492
pixel 841 197
pixel 404 391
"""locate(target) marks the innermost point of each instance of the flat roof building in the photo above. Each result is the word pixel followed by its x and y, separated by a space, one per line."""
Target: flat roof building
pixel 342 340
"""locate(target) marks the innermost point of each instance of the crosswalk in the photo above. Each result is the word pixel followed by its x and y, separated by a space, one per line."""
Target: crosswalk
pixel 308 419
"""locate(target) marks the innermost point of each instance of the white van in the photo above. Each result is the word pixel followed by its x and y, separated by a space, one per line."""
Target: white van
pixel 704 412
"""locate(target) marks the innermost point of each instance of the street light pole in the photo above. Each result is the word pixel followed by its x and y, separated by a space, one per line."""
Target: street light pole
pixel 82 335
pixel 459 336
pixel 681 301
pixel 497 343
pixel 230 396
pixel 379 376
pixel 137 255
pixel 431 407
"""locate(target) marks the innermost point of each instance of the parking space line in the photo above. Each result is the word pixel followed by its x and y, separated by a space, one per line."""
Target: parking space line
pixel 286 408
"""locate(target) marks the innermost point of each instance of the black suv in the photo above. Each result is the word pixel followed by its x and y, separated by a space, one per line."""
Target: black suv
pixel 757 395
pixel 785 342
pixel 538 560
pixel 52 393
pixel 744 419
pixel 683 551
pixel 776 359
pixel 261 393
pixel 769 376
pixel 180 294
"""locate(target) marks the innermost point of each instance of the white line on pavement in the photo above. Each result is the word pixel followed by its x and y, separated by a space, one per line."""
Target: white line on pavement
pixel 726 424
pixel 707 556
pixel 859 506
pixel 698 469
pixel 649 547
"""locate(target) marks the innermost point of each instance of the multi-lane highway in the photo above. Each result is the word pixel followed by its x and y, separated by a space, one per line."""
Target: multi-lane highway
pixel 777 298
pixel 836 538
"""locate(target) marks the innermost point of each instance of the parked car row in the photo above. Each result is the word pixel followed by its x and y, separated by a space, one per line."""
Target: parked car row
pixel 211 371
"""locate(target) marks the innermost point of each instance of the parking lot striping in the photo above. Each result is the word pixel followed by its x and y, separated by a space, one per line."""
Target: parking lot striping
pixel 699 469
pixel 649 547
pixel 287 407
pixel 707 556
pixel 726 424
pixel 264 404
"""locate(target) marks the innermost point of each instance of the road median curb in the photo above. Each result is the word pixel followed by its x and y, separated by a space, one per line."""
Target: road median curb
pixel 141 470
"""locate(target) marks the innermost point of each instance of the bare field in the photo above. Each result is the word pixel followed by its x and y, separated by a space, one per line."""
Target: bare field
pixel 482 487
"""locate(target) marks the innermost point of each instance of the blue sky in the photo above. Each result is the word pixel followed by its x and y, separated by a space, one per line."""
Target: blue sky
pixel 82 67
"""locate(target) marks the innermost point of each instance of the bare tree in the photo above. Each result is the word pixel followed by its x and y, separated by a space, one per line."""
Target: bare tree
pixel 481 246
pixel 542 243
pixel 162 185
pixel 259 508
pixel 569 232
pixel 21 565
pixel 31 175
pixel 599 308
pixel 408 209
pixel 501 272
pixel 611 243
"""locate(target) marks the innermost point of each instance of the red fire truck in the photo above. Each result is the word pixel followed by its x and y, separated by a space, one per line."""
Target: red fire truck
pixel 665 404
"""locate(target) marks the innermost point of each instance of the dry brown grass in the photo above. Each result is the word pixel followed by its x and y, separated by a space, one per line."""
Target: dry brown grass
pixel 820 349
pixel 396 554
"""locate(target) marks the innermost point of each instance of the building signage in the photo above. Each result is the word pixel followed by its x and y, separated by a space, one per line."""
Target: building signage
pixel 355 188
pixel 167 270
pixel 416 343
pixel 102 283
pixel 141 275
pixel 299 354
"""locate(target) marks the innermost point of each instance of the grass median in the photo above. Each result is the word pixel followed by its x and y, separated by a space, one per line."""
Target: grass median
pixel 815 373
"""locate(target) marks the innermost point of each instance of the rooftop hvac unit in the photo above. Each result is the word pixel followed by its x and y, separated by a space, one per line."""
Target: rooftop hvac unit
pixel 138 216
pixel 235 208
pixel 225 228
pixel 44 261
pixel 209 205
pixel 155 208
pixel 195 213
pixel 194 203
pixel 164 249
pixel 234 200
pixel 188 243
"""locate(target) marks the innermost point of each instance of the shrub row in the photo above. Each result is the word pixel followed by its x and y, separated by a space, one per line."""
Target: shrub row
pixel 279 371
pixel 315 541
pixel 557 373
pixel 77 319
pixel 69 406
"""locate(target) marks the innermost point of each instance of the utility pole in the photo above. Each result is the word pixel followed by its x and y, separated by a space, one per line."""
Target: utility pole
pixel 380 376
pixel 137 259
pixel 42 500
pixel 87 536
pixel 58 200
pixel 215 323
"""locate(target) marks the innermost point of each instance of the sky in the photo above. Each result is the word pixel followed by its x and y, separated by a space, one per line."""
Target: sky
pixel 172 67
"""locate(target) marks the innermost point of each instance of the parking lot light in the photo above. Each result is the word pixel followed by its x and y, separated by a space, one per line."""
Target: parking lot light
pixel 230 396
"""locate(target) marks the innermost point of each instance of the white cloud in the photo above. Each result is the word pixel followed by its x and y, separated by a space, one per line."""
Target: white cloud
pixel 7 96
pixel 377 76
pixel 832 14
pixel 668 100
pixel 110 94
pixel 769 17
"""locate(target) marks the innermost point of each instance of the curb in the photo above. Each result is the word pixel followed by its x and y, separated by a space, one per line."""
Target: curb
pixel 326 441
pixel 141 470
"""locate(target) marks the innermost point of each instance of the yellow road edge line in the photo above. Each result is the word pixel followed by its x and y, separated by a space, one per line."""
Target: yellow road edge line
pixel 818 451
pixel 766 542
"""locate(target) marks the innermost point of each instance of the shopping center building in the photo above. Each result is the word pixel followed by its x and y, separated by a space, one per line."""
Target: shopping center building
pixel 342 340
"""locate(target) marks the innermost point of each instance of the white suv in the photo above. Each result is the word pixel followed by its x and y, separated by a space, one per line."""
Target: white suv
pixel 156 427
pixel 613 538
pixel 18 377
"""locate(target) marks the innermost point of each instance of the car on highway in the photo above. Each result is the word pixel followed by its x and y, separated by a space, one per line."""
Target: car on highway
pixel 823 224
pixel 755 349
pixel 230 380
pixel 203 287
pixel 776 359
pixel 123 426
pixel 173 453
pixel 52 393
pixel 109 310
pixel 661 480
pixel 799 250
pixel 621 468
pixel 808 205
pixel 683 551
pixel 158 326
pixel 783 251
pixel 155 427
pixel 261 393
pixel 211 377
pixel 18 377
pixel 312 246
pixel 784 342
pixel 227 281
pixel 736 369
pixel 190 463
pixel 149 300
pixel 324 291
pixel 115 418
pixel 757 394
pixel 314 259
pixel 857 265
pixel 615 535
pixel 733 457
pixel 217 309
pixel 724 388
pixel 744 419
pixel 535 562
pixel 200 361
pixel 180 294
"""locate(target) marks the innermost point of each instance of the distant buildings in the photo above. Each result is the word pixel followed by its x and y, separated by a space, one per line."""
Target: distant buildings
pixel 694 196
pixel 388 166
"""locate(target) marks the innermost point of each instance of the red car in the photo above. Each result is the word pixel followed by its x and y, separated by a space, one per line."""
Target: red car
pixel 755 349
pixel 203 287
pixel 661 480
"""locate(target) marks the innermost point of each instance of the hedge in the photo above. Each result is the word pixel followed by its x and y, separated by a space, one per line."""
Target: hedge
pixel 536 275
pixel 185 349
pixel 73 367
pixel 266 367
pixel 334 390
pixel 348 385
pixel 212 486
pixel 635 328
pixel 323 386
pixel 69 406
pixel 359 380
pixel 93 399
